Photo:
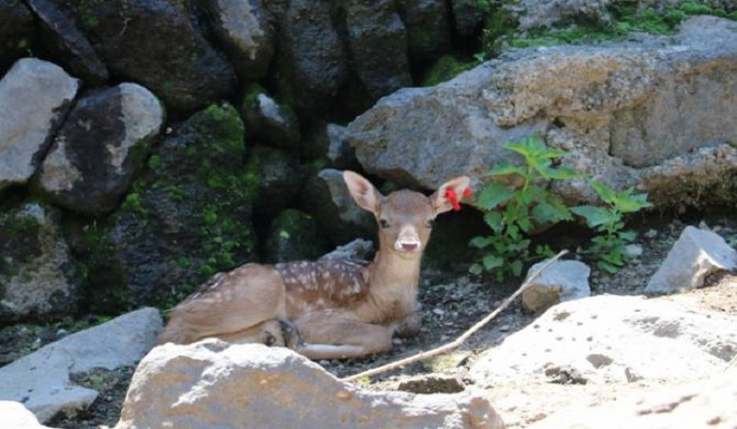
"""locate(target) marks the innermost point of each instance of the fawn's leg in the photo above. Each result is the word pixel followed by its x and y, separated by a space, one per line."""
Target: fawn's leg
pixel 243 305
pixel 342 339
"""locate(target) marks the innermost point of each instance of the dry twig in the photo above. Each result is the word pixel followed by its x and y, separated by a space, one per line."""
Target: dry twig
pixel 461 339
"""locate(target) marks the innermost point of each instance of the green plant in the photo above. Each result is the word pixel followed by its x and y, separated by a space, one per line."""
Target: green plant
pixel 513 211
pixel 609 246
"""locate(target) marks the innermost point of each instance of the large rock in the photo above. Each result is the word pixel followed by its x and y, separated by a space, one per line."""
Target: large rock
pixel 268 121
pixel 696 254
pixel 187 216
pixel 216 384
pixel 428 27
pixel 41 380
pixel 312 62
pixel 100 146
pixel 16 31
pixel 326 196
pixel 703 404
pixel 157 44
pixel 277 176
pixel 656 113
pixel 63 41
pixel 37 277
pixel 378 46
pixel 34 95
pixel 294 236
pixel 243 30
pixel 16 416
pixel 612 339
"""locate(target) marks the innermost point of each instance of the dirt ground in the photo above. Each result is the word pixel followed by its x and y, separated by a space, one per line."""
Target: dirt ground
pixel 451 304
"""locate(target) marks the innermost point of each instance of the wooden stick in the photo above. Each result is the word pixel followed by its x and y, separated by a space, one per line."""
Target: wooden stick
pixel 460 340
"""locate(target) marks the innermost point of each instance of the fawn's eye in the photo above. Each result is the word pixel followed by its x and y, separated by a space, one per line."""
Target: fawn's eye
pixel 384 223
pixel 430 223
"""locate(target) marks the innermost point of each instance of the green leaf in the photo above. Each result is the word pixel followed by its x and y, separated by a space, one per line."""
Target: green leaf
pixel 494 194
pixel 550 213
pixel 594 216
pixel 563 173
pixel 492 261
pixel 506 168
pixel 516 267
pixel 480 242
pixel 607 267
pixel 476 269
pixel 494 220
pixel 627 236
pixel 632 203
pixel 606 193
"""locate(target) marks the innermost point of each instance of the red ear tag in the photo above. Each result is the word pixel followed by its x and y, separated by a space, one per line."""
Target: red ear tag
pixel 467 193
pixel 451 195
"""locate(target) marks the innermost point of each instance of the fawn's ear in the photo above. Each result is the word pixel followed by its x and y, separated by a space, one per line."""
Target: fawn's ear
pixel 362 191
pixel 441 202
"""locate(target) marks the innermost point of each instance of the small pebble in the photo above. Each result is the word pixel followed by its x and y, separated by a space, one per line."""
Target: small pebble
pixel 651 233
pixel 438 311
pixel 633 250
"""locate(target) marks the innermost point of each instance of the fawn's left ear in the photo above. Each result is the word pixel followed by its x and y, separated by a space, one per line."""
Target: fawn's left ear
pixel 449 194
pixel 362 191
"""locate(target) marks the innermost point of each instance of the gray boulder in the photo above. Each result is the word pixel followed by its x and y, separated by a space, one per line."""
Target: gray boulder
pixel 269 122
pixel 326 197
pixel 187 216
pixel 16 416
pixel 611 339
pixel 560 281
pixel 702 404
pixel 428 27
pixel 251 386
pixel 312 62
pixel 294 236
pixel 37 276
pixel 696 254
pixel 157 44
pixel 651 114
pixel 16 32
pixel 64 42
pixel 41 380
pixel 278 178
pixel 100 146
pixel 35 96
pixel 243 30
pixel 378 46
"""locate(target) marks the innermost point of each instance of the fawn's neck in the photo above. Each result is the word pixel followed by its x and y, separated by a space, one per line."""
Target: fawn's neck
pixel 391 270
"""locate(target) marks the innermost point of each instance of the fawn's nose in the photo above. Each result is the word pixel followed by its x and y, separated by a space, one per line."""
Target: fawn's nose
pixel 408 240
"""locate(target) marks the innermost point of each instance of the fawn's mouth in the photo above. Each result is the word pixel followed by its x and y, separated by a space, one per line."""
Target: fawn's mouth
pixel 408 247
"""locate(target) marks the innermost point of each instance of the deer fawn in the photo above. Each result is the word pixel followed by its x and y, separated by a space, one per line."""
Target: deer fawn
pixel 326 309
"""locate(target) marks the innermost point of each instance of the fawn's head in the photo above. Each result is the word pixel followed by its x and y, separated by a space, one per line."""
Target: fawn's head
pixel 405 217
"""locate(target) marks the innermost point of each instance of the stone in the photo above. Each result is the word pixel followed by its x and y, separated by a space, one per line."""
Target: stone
pixel 249 385
pixel 610 339
pixel 561 281
pixel 294 236
pixel 358 249
pixel 378 46
pixel 16 416
pixel 312 63
pixel 16 32
pixel 431 383
pixel 35 96
pixel 428 28
pixel 187 216
pixel 340 153
pixel 66 44
pixel 703 404
pixel 697 254
pixel 533 14
pixel 38 278
pixel 100 147
pixel 326 197
pixel 41 380
pixel 134 39
pixel 651 114
pixel 280 178
pixel 467 17
pixel 244 31
pixel 268 122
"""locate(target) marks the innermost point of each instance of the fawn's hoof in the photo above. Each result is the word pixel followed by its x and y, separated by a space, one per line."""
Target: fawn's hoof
pixel 291 336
